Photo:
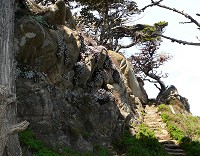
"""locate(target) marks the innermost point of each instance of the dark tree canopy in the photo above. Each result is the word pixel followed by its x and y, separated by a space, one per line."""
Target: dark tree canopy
pixel 99 18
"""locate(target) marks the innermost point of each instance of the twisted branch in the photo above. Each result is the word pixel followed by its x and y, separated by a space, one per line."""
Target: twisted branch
pixel 180 41
pixel 192 20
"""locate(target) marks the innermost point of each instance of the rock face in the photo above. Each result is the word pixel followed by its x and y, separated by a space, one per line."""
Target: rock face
pixel 171 93
pixel 73 92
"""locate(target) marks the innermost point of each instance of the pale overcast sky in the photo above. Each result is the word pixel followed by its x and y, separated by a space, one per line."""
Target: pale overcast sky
pixel 183 69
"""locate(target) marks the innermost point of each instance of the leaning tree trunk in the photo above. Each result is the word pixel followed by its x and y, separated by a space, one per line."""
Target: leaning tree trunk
pixel 9 143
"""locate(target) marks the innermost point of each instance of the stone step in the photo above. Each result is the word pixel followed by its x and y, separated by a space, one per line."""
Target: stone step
pixel 161 133
pixel 152 124
pixel 150 116
pixel 162 137
pixel 151 112
pixel 168 141
pixel 171 146
pixel 176 154
pixel 174 150
pixel 152 120
pixel 155 129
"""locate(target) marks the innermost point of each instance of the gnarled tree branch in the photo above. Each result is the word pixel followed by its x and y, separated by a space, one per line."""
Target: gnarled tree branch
pixel 124 46
pixel 174 10
pixel 180 41
pixel 151 5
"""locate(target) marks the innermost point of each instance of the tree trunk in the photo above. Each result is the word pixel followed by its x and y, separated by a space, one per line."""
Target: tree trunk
pixel 157 78
pixel 104 26
pixel 9 143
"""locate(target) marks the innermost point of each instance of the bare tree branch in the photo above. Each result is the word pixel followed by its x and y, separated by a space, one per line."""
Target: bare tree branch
pixel 157 78
pixel 157 86
pixel 184 22
pixel 198 14
pixel 150 5
pixel 173 9
pixel 182 13
pixel 124 46
pixel 150 81
pixel 179 41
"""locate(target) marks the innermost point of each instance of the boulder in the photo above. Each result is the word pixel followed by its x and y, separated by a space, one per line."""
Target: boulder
pixel 172 93
pixel 129 78
pixel 53 52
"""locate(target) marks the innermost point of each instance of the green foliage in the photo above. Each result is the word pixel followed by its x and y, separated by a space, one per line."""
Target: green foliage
pixel 192 148
pixel 28 139
pixel 144 143
pixel 144 132
pixel 184 128
pixel 165 117
pixel 151 33
pixel 101 151
pixel 100 17
pixel 161 25
pixel 163 107
pixel 175 132
pixel 46 152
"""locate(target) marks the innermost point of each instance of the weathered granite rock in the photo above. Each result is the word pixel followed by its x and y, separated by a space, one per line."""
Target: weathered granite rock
pixel 47 50
pixel 172 93
pixel 129 77
pixel 78 119
pixel 74 93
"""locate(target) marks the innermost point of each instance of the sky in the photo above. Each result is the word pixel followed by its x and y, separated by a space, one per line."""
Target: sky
pixel 183 68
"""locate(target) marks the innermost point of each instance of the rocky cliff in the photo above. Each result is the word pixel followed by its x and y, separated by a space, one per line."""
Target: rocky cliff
pixel 74 93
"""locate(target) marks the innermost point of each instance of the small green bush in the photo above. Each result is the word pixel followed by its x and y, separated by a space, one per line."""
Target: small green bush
pixel 144 143
pixel 28 138
pixel 46 152
pixel 165 117
pixel 163 107
pixel 175 132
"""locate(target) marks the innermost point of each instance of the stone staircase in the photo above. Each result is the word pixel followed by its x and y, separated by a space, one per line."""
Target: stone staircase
pixel 154 121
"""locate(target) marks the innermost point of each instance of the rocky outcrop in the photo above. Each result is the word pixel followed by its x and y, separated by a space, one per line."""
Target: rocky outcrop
pixel 171 93
pixel 73 92
pixel 134 86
